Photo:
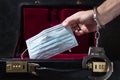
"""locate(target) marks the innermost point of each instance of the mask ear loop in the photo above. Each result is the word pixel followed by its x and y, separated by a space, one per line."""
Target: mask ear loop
pixel 23 53
pixel 76 27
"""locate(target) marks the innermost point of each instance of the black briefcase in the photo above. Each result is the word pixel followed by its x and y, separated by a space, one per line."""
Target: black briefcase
pixel 36 16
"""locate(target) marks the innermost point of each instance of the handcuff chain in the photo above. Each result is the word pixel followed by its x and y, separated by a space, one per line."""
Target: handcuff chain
pixel 97 34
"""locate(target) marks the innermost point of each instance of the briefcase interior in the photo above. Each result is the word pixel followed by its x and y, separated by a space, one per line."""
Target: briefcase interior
pixel 35 18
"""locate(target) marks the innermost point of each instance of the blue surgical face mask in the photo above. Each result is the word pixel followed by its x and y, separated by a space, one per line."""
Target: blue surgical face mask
pixel 50 42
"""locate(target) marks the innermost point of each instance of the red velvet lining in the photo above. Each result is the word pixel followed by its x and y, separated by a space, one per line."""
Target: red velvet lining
pixel 38 19
pixel 35 20
pixel 69 56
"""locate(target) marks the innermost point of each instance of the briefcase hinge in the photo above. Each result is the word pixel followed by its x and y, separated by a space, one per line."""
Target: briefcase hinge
pixel 78 2
pixel 37 2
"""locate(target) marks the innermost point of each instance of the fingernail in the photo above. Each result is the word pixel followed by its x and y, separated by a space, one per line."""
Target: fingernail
pixel 64 23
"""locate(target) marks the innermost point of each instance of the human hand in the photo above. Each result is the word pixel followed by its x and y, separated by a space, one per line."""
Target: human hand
pixel 81 22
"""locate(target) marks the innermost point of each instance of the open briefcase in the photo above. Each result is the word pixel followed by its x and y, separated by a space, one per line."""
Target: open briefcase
pixel 67 65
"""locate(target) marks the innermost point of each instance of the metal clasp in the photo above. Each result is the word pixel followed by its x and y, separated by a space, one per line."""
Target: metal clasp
pixel 78 2
pixel 37 2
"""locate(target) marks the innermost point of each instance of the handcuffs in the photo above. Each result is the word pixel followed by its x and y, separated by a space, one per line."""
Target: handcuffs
pixel 103 65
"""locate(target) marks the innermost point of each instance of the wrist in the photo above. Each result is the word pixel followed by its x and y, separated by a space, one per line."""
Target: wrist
pixel 101 16
pixel 96 18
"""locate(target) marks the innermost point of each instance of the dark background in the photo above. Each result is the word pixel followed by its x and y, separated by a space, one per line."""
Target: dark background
pixel 10 28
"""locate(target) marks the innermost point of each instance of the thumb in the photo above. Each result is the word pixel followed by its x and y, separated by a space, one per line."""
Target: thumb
pixel 65 23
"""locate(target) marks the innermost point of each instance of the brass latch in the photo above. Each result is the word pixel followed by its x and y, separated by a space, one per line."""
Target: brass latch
pixel 21 67
pixel 32 68
pixel 16 66
pixel 98 66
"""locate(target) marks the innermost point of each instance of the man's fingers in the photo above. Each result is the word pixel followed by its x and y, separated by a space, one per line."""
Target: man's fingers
pixel 79 32
pixel 70 21
pixel 65 23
